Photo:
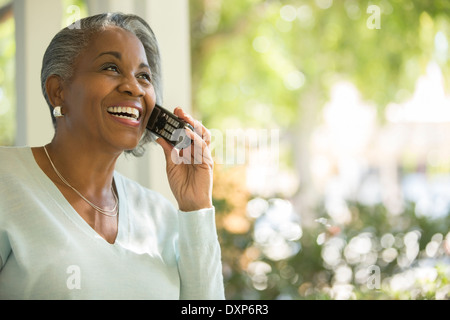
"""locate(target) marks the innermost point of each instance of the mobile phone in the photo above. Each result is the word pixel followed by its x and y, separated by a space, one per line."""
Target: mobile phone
pixel 168 126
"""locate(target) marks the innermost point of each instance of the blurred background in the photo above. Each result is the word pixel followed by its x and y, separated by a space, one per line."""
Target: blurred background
pixel 331 130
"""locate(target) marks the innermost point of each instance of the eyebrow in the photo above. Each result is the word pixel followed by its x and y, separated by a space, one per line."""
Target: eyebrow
pixel 115 54
pixel 118 56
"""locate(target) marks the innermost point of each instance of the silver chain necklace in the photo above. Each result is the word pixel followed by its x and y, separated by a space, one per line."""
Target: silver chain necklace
pixel 110 213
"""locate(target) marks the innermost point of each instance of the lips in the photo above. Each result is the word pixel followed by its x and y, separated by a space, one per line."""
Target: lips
pixel 125 112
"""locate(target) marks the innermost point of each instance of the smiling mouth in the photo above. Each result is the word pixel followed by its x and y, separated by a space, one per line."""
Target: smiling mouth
pixel 124 112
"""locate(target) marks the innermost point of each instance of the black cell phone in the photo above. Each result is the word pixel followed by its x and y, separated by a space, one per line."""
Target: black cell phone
pixel 168 126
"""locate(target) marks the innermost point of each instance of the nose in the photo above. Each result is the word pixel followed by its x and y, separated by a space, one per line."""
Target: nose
pixel 131 86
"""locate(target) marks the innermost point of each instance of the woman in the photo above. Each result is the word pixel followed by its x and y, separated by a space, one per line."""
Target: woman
pixel 71 227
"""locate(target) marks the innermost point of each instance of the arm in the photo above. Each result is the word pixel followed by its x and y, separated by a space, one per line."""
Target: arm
pixel 190 175
pixel 199 260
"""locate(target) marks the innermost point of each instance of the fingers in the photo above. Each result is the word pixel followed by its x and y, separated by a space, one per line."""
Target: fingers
pixel 198 152
pixel 199 128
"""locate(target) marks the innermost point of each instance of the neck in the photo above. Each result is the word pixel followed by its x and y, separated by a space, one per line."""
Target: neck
pixel 87 169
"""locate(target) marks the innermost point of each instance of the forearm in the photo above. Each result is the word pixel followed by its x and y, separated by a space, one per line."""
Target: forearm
pixel 199 262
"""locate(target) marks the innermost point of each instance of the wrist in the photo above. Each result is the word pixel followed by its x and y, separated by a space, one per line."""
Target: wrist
pixel 188 207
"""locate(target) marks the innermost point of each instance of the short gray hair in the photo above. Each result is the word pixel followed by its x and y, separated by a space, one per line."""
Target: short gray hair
pixel 67 44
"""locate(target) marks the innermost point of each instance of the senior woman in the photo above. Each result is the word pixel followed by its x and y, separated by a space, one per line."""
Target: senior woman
pixel 71 227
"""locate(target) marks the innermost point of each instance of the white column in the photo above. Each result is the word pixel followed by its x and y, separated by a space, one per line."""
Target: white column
pixel 169 20
pixel 36 23
pixel 101 6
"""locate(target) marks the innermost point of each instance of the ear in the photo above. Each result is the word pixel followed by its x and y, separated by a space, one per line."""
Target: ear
pixel 55 92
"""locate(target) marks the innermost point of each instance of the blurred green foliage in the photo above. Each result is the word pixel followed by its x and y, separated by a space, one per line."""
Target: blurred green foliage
pixel 233 82
pixel 271 64
pixel 410 253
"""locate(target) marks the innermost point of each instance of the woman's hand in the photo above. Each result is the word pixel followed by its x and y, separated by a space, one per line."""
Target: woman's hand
pixel 190 170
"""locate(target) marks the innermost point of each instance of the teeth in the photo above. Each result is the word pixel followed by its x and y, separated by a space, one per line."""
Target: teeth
pixel 124 112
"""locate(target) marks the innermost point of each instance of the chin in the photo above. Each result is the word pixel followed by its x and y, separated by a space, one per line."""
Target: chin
pixel 126 144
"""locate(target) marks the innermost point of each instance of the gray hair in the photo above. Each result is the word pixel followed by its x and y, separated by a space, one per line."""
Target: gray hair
pixel 67 44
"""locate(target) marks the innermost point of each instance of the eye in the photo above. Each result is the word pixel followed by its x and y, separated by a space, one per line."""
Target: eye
pixel 146 76
pixel 110 67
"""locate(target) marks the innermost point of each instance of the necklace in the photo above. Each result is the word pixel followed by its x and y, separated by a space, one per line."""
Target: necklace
pixel 110 213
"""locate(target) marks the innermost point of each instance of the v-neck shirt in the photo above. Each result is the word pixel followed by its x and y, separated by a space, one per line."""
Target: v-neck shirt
pixel 48 251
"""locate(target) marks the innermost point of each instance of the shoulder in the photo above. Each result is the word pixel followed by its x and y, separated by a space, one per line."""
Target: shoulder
pixel 15 179
pixel 10 153
pixel 13 157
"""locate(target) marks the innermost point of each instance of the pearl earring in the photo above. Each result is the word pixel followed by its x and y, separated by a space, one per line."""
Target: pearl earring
pixel 57 112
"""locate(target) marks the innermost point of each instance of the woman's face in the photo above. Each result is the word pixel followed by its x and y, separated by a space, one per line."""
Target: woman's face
pixel 109 99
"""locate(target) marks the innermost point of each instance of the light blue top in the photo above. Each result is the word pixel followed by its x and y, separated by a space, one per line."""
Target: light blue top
pixel 47 251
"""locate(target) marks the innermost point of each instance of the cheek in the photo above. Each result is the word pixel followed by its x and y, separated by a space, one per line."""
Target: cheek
pixel 150 100
pixel 74 99
pixel 151 95
pixel 85 95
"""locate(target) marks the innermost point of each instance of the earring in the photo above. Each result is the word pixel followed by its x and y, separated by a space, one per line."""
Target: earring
pixel 57 112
